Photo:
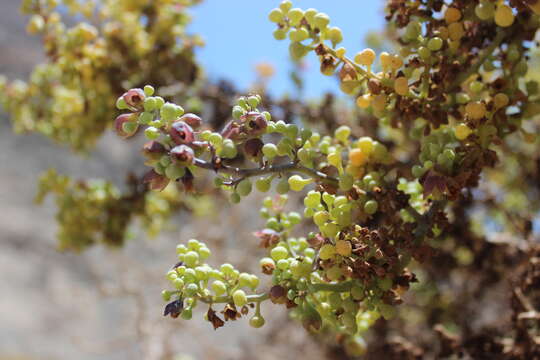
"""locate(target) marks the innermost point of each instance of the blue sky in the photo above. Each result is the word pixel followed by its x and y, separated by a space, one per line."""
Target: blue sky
pixel 238 35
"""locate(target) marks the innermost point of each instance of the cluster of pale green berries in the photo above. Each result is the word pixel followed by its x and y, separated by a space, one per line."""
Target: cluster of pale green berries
pixel 301 25
pixel 195 281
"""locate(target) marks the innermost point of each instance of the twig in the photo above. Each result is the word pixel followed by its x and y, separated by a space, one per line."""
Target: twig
pixel 250 172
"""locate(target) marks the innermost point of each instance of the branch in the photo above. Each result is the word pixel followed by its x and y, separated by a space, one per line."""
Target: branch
pixel 228 299
pixel 250 172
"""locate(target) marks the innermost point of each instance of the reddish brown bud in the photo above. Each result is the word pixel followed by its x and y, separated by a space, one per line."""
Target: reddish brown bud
pixel 192 120
pixel 182 154
pixel 278 294
pixel 181 133
pixel 121 129
pixel 134 97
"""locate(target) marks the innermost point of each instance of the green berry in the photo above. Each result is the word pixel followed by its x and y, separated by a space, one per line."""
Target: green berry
pixel 282 186
pixel 270 151
pixel 150 104
pixel 280 34
pixel 216 140
pixel 342 133
pixel 151 133
pixel 227 269
pixel 166 295
pixel 435 44
pixel 279 252
pixel 285 6
pixel 148 90
pixel 256 321
pixel 191 258
pixel 244 187
pixel 263 184
pixel 237 112
pixel 321 21
pixel 312 199
pixel 370 207
pixel 168 112
pixel 295 16
pixel 327 252
pixel 320 218
pixel 204 252
pixel 175 171
pixel 239 298
pixel 219 287
pixel 276 15
pixel 297 183
pixel 298 35
pixel 187 314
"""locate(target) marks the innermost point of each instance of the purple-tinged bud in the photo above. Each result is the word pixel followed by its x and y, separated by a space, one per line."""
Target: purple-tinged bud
pixel 192 120
pixel 153 150
pixel 182 154
pixel 134 98
pixel 255 123
pixel 155 181
pixel 123 130
pixel 181 133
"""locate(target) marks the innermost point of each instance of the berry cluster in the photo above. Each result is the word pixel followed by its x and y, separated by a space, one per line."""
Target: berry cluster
pixel 370 220
pixel 197 282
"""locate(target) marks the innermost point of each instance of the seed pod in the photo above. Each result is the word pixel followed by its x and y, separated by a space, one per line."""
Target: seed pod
pixel 182 154
pixel 134 98
pixel 181 133
pixel 192 120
